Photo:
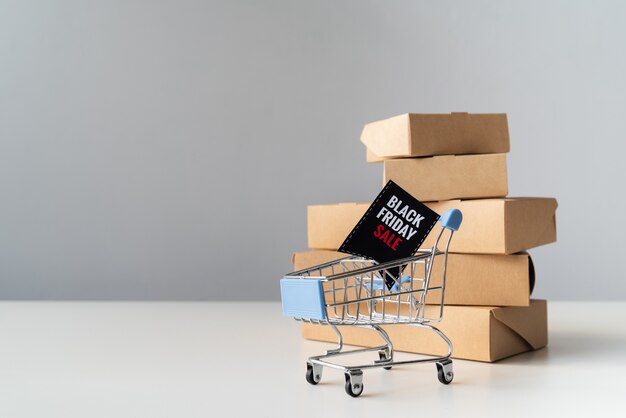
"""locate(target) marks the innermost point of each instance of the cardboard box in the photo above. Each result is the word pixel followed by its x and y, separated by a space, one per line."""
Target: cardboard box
pixel 472 279
pixel 477 333
pixel 449 177
pixel 490 226
pixel 417 135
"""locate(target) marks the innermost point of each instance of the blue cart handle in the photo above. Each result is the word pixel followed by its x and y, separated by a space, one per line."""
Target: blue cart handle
pixel 452 219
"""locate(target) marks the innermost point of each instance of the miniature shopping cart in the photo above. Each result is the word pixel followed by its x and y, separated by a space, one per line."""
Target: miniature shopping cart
pixel 356 291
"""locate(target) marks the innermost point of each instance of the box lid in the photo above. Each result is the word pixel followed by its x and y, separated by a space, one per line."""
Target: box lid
pixel 418 134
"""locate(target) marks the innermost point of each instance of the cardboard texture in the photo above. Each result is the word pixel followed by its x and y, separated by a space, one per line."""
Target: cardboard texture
pixel 490 226
pixel 370 157
pixel 472 279
pixel 477 333
pixel 449 177
pixel 417 135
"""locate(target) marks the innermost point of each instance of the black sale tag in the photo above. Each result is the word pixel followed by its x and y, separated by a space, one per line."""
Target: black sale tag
pixel 394 227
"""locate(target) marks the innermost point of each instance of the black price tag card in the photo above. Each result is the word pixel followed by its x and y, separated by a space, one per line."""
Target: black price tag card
pixel 393 227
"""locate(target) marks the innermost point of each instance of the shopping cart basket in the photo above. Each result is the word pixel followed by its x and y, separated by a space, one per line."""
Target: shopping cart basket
pixel 354 291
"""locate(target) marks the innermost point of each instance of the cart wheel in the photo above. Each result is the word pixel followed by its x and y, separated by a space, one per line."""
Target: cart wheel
pixel 354 386
pixel 311 377
pixel 382 356
pixel 444 372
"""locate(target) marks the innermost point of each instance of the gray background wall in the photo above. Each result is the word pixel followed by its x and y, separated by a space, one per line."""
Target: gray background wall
pixel 168 149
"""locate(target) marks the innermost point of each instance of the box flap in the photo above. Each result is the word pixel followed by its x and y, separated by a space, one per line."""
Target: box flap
pixel 530 222
pixel 388 138
pixel 370 157
pixel 527 322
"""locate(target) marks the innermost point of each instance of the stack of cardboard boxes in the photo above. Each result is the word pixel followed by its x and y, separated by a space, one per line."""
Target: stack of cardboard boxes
pixel 454 160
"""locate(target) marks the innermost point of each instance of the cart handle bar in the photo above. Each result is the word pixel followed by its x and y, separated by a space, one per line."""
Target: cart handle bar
pixel 452 219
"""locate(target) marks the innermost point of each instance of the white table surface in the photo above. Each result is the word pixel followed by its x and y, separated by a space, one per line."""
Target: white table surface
pixel 153 359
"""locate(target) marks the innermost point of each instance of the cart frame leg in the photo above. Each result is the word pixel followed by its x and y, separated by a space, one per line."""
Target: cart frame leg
pixel 387 352
pixel 387 349
pixel 339 341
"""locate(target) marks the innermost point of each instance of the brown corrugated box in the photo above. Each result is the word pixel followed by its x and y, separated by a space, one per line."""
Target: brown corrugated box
pixel 477 333
pixel 490 226
pixel 472 279
pixel 415 135
pixel 449 177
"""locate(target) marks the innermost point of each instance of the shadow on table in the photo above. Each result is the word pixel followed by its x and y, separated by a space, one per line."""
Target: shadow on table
pixel 572 346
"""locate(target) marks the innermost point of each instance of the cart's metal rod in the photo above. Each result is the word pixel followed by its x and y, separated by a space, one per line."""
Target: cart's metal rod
pixel 343 353
pixel 339 341
pixel 375 365
pixel 445 267
pixel 383 266
pixel 321 266
pixel 378 297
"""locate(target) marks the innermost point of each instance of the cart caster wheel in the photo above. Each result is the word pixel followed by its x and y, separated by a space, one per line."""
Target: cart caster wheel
pixel 313 376
pixel 354 384
pixel 382 356
pixel 444 372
